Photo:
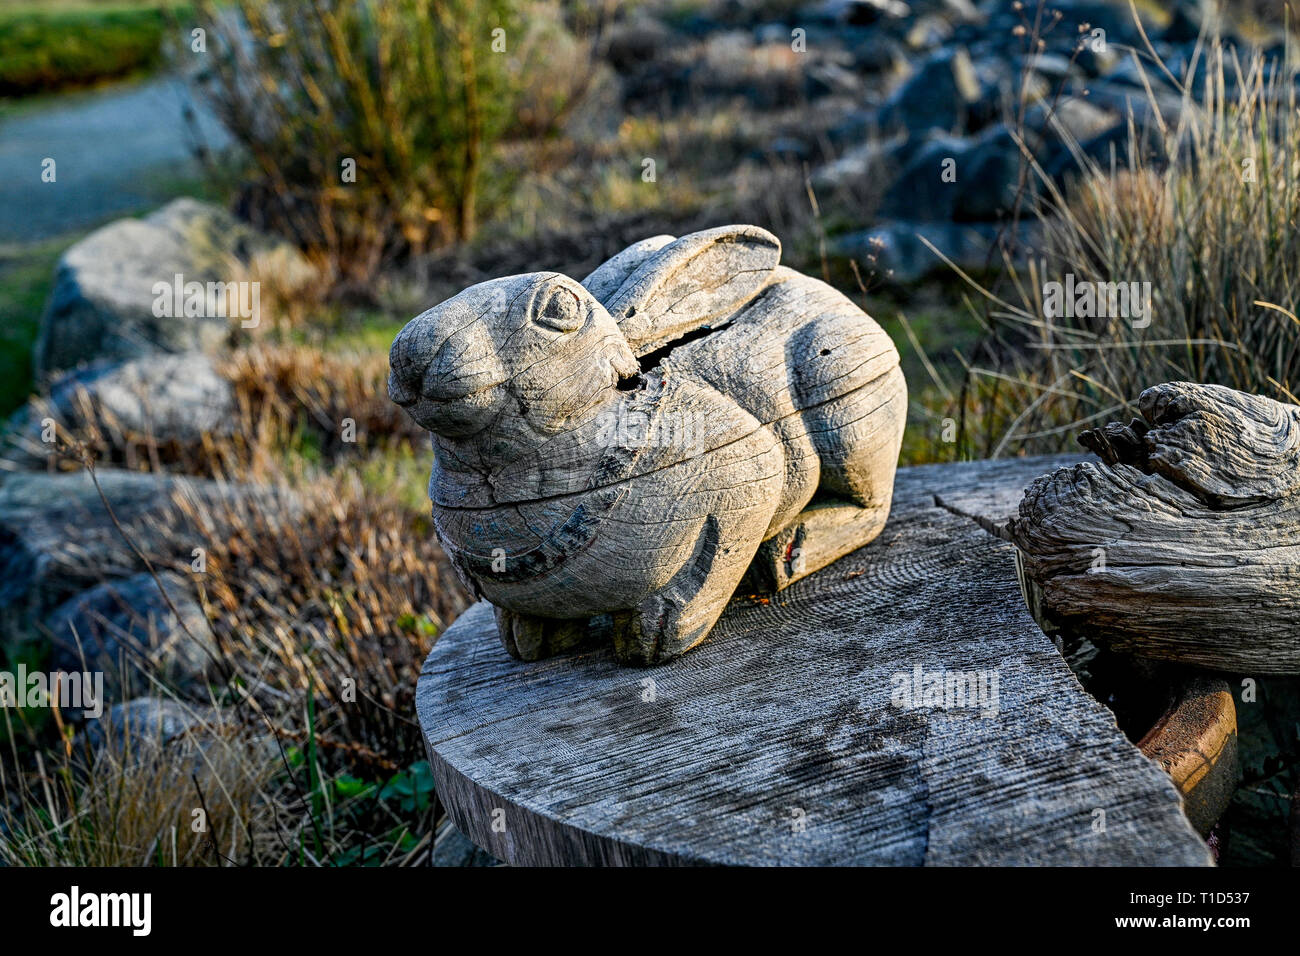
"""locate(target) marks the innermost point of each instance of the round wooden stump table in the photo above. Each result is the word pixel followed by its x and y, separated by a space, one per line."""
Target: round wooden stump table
pixel 899 707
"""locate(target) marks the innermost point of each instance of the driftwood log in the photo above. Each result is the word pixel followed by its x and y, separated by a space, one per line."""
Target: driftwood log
pixel 783 739
pixel 1183 544
pixel 619 449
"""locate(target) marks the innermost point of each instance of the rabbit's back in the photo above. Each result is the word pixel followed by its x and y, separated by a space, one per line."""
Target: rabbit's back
pixel 797 345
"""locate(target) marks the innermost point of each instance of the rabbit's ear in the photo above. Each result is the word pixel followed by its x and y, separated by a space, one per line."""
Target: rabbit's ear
pixel 693 281
pixel 613 272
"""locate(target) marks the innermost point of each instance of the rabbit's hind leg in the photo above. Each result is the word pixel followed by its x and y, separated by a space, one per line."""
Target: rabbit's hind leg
pixel 858 436
pixel 720 505
pixel 826 530
pixel 673 620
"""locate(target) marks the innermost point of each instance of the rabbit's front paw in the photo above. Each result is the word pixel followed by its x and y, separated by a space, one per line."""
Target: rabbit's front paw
pixel 655 632
pixel 638 634
pixel 530 638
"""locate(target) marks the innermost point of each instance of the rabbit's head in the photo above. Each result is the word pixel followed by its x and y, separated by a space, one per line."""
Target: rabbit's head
pixel 536 345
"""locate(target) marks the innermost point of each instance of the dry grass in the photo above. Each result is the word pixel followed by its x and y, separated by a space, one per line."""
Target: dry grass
pixel 324 594
pixel 293 403
pixel 323 601
pixel 301 398
pixel 339 590
pixel 131 801
pixel 1207 217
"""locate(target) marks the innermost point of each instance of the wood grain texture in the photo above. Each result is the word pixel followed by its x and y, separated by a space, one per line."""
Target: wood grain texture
pixel 693 281
pixel 777 741
pixel 621 448
pixel 1195 742
pixel 1183 543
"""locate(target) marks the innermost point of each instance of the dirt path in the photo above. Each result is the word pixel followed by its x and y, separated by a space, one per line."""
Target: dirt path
pixel 117 150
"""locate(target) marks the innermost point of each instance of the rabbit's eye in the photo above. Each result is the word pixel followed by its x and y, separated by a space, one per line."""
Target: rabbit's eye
pixel 562 311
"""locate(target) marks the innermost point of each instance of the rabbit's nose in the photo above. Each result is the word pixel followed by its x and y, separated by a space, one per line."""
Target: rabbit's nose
pixel 406 370
pixel 400 390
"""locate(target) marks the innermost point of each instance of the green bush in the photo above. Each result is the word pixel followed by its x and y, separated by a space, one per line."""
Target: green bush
pixel 46 50
pixel 417 93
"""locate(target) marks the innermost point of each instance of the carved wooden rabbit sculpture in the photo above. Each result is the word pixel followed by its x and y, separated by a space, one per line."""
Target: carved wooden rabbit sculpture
pixel 623 446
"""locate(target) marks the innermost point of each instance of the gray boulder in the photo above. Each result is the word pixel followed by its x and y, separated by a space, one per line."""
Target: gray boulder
pixel 1114 19
pixel 145 724
pixel 57 539
pixel 879 53
pixel 170 397
pixel 860 12
pixel 127 629
pixel 102 305
pixel 941 93
pixel 1053 67
pixel 1066 126
pixel 453 848
pixel 990 179
pixel 858 167
pixel 159 399
pixel 894 251
pixel 921 190
pixel 1116 145
pixel 1069 118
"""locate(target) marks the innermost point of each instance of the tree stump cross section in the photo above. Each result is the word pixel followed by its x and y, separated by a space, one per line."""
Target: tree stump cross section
pixel 793 734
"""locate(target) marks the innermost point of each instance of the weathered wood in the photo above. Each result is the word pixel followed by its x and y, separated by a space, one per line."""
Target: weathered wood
pixel 823 532
pixel 778 742
pixel 692 281
pixel 1195 742
pixel 622 447
pixel 1183 544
